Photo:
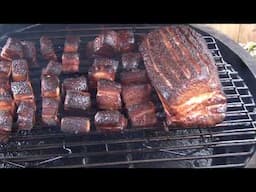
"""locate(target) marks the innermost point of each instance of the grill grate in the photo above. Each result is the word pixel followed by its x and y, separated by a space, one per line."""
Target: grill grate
pixel 229 144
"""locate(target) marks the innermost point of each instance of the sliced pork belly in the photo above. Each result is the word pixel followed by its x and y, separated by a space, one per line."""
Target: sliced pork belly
pixel 134 77
pixel 5 69
pixel 71 44
pixel 50 108
pixel 22 90
pixel 75 125
pixel 20 71
pixel 76 83
pixel 50 86
pixel 47 49
pixel 12 49
pixel 77 100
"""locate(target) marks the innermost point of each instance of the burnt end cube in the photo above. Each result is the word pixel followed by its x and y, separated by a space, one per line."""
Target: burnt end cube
pixel 78 84
pixel 109 95
pixel 70 62
pixel 131 61
pixel 50 108
pixel 136 94
pixel 6 121
pixel 6 102
pixel 134 77
pixel 22 90
pixel 52 68
pixel 75 125
pixel 12 50
pixel 77 100
pixel 142 115
pixel 126 41
pixel 5 85
pixel 50 86
pixel 5 69
pixel 47 49
pixel 71 44
pixel 29 49
pixel 110 121
pixel 20 71
pixel 26 115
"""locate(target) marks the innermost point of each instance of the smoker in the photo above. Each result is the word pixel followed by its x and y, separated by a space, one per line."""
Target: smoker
pixel 228 144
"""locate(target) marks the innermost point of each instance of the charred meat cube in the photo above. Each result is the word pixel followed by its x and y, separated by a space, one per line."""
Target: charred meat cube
pixel 50 86
pixel 126 41
pixel 12 49
pixel 108 95
pixel 70 62
pixel 110 121
pixel 71 44
pixel 78 84
pixel 26 115
pixel 53 68
pixel 135 94
pixel 131 61
pixel 50 108
pixel 142 115
pixel 6 102
pixel 5 69
pixel 102 68
pixel 75 125
pixel 77 100
pixel 5 85
pixel 5 121
pixel 22 90
pixel 20 70
pixel 134 77
pixel 29 49
pixel 47 49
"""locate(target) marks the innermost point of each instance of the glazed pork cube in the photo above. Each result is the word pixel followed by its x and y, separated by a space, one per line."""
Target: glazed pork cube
pixel 136 94
pixel 29 49
pixel 47 49
pixel 70 62
pixel 75 125
pixel 12 49
pixel 142 115
pixel 71 44
pixel 22 90
pixel 110 121
pixel 5 69
pixel 26 115
pixel 50 86
pixel 134 77
pixel 76 83
pixel 77 100
pixel 108 95
pixel 102 68
pixel 6 102
pixel 5 121
pixel 20 71
pixel 52 68
pixel 131 60
pixel 50 108
pixel 126 41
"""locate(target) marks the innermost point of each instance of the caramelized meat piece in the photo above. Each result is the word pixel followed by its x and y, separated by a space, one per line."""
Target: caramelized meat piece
pixel 53 68
pixel 71 44
pixel 26 115
pixel 142 115
pixel 70 62
pixel 12 49
pixel 126 41
pixel 77 100
pixel 5 69
pixel 78 84
pixel 50 86
pixel 6 102
pixel 22 90
pixel 134 77
pixel 185 77
pixel 47 49
pixel 102 68
pixel 20 70
pixel 131 61
pixel 29 49
pixel 110 121
pixel 75 125
pixel 5 85
pixel 135 94
pixel 108 95
pixel 5 121
pixel 50 108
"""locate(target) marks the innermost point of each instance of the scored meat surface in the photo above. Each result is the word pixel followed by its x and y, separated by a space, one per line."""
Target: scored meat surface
pixel 20 70
pixel 184 75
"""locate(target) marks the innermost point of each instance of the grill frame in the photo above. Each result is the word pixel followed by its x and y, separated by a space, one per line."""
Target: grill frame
pixel 231 75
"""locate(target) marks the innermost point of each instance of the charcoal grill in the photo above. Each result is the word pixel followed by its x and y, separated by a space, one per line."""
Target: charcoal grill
pixel 228 144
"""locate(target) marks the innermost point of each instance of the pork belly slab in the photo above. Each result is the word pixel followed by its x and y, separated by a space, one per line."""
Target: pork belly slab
pixel 26 115
pixel 75 83
pixel 6 121
pixel 20 71
pixel 77 100
pixel 22 90
pixel 52 68
pixel 6 102
pixel 134 77
pixel 70 62
pixel 75 125
pixel 109 95
pixel 47 49
pixel 12 49
pixel 50 86
pixel 183 72
pixel 50 108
